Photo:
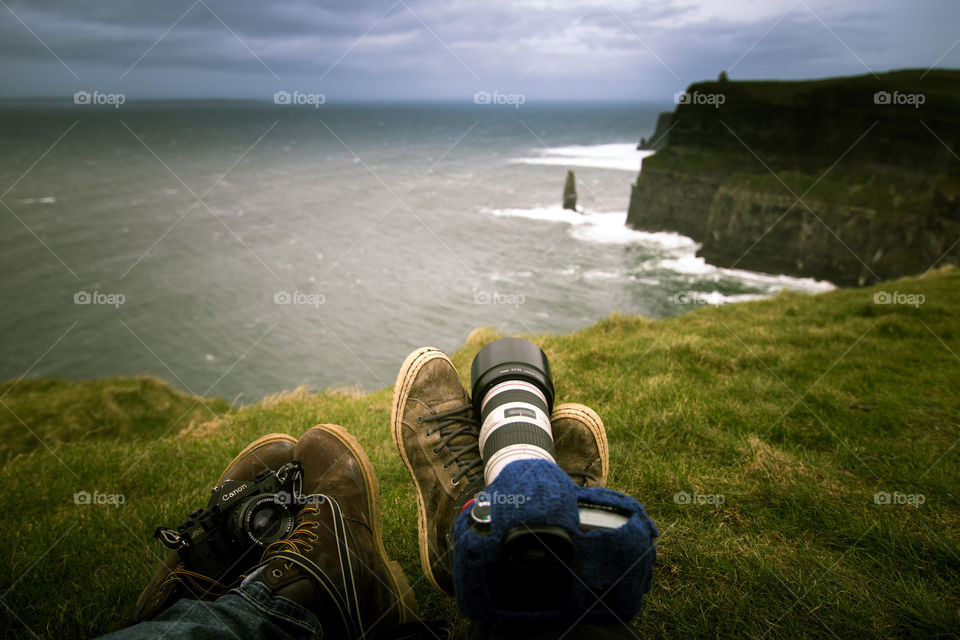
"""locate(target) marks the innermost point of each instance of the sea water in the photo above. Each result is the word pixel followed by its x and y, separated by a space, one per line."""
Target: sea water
pixel 239 249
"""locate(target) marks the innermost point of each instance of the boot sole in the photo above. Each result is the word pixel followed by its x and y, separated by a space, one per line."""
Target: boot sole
pixel 401 390
pixel 407 600
pixel 589 417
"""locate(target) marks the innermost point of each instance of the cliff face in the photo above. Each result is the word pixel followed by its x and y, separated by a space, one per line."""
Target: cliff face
pixel 829 178
pixel 661 133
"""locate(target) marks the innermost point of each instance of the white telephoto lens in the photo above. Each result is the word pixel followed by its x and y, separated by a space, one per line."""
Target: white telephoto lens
pixel 515 426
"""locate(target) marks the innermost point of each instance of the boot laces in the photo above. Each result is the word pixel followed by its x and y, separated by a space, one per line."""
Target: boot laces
pixel 459 432
pixel 299 539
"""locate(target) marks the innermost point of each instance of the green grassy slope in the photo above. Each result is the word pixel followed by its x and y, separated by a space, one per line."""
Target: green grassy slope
pixel 795 410
pixel 107 409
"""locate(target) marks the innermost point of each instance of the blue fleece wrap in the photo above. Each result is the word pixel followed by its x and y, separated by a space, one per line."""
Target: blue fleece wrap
pixel 614 566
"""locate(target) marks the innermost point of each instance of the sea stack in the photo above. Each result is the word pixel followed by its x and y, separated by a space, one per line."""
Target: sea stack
pixel 570 192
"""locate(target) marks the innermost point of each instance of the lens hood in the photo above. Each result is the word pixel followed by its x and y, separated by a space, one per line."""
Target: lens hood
pixel 510 359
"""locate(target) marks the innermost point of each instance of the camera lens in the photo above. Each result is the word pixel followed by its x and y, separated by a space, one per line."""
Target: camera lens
pixel 265 522
pixel 513 395
pixel 262 520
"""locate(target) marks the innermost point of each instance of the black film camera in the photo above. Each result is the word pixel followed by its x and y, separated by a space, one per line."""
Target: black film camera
pixel 242 517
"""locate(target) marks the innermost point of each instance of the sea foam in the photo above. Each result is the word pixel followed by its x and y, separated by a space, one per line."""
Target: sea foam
pixel 617 156
pixel 676 254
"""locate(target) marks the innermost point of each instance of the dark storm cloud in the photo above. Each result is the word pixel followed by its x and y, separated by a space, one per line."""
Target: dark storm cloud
pixel 437 48
pixel 117 32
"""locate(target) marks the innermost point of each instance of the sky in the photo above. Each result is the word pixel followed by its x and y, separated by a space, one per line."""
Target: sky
pixel 451 49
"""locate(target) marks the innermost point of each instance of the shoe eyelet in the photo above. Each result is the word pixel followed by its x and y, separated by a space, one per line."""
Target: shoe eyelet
pixel 419 419
pixel 436 452
pixel 276 573
pixel 455 482
pixel 445 467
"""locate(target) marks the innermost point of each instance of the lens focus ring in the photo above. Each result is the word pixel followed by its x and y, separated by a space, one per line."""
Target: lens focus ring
pixel 513 395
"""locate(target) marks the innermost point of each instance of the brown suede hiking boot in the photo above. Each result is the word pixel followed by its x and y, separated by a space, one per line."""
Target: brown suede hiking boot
pixel 437 435
pixel 173 580
pixel 580 444
pixel 334 563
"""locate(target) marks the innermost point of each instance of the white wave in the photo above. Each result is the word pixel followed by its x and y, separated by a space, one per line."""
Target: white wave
pixel 694 265
pixel 611 228
pixel 596 274
pixel 688 264
pixel 601 227
pixel 551 214
pixel 618 156
pixel 677 254
pixel 718 298
pixel 498 276
pixel 43 200
pixel 774 283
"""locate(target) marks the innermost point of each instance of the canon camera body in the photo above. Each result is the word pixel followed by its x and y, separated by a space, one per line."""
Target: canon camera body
pixel 242 517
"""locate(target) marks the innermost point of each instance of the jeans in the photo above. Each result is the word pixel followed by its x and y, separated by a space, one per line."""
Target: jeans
pixel 252 611
pixel 249 611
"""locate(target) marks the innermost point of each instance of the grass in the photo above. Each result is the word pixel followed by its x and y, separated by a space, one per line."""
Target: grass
pixel 95 410
pixel 797 410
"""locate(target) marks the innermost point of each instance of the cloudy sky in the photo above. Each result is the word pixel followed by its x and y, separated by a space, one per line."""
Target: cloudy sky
pixel 443 49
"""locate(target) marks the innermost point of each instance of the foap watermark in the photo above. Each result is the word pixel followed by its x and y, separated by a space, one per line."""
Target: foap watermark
pixel 485 97
pixel 496 297
pixel 300 499
pixel 85 497
pixel 99 297
pixel 692 297
pixel 98 98
pixel 899 99
pixel 897 297
pixel 299 297
pixel 697 97
pixel 299 98
pixel 696 498
pixel 896 498
pixel 515 499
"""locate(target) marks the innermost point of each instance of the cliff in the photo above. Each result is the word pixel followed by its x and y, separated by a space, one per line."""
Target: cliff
pixel 852 180
pixel 661 133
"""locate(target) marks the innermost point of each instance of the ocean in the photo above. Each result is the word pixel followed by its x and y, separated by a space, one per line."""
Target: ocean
pixel 239 248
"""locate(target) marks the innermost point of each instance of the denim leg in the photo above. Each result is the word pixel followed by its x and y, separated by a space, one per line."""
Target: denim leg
pixel 249 611
pixel 577 632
